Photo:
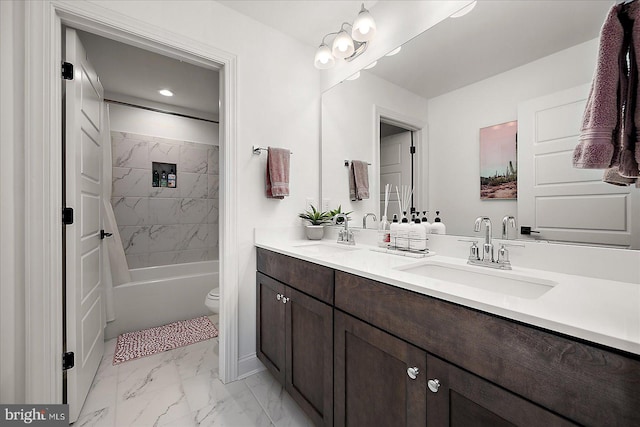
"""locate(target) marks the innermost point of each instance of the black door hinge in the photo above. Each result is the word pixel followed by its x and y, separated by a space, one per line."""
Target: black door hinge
pixel 67 71
pixel 68 360
pixel 412 149
pixel 67 216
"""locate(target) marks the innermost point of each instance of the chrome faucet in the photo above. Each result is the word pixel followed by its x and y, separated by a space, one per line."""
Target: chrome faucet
pixel 486 257
pixel 506 221
pixel 487 248
pixel 364 219
pixel 345 236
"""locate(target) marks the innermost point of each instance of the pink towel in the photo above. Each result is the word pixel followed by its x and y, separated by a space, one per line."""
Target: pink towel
pixel 358 180
pixel 596 143
pixel 278 173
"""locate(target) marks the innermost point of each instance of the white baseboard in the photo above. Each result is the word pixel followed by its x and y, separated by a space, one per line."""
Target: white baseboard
pixel 249 365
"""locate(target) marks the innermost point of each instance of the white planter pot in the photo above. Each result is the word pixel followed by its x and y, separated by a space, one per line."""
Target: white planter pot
pixel 314 232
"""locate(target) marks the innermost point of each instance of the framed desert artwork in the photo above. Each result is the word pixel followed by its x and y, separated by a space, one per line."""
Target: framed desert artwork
pixel 498 161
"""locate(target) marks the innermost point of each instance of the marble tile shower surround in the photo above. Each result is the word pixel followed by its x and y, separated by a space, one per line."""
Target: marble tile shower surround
pixel 161 225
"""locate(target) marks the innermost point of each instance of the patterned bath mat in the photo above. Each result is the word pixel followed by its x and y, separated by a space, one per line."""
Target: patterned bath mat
pixel 134 345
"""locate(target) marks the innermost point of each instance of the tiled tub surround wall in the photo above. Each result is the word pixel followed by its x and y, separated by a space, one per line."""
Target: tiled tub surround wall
pixel 161 225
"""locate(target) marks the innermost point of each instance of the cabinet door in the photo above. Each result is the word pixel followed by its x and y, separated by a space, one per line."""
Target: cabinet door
pixel 270 327
pixel 461 399
pixel 309 368
pixel 372 385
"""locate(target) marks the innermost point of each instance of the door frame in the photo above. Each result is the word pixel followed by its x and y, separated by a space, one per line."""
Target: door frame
pixel 43 178
pixel 420 141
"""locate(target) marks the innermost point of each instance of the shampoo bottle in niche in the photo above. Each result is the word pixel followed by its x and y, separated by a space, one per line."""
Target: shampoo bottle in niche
pixel 163 179
pixel 384 233
pixel 393 231
pixel 438 226
pixel 171 179
pixel 156 179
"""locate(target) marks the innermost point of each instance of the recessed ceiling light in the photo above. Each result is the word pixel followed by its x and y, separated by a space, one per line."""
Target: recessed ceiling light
pixel 370 66
pixel 353 77
pixel 394 51
pixel 464 10
pixel 165 92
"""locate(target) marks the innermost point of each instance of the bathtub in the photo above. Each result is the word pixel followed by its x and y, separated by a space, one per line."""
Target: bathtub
pixel 163 294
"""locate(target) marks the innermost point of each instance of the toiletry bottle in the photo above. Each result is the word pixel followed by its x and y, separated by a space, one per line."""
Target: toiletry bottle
pixel 417 236
pixel 156 179
pixel 403 232
pixel 393 231
pixel 171 179
pixel 384 237
pixel 438 226
pixel 163 179
pixel 425 222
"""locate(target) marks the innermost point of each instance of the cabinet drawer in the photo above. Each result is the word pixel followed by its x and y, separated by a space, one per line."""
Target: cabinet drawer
pixel 585 383
pixel 312 279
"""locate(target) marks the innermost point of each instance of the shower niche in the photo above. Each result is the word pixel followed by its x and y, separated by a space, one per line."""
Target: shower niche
pixel 164 175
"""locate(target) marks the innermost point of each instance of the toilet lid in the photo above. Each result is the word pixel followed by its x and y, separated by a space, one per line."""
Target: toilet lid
pixel 214 293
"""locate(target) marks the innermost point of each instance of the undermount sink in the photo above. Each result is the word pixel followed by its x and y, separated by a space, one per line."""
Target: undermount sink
pixel 503 282
pixel 325 248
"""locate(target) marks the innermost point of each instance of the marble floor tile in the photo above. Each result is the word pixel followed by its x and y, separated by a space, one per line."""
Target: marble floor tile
pixel 181 388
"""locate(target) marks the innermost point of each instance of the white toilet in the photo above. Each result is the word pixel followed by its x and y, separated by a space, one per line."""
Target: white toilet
pixel 212 301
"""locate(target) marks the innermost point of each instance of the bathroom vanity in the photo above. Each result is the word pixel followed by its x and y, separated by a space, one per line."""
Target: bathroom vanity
pixel 354 348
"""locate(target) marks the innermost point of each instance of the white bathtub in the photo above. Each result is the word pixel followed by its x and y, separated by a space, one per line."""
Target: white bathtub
pixel 160 295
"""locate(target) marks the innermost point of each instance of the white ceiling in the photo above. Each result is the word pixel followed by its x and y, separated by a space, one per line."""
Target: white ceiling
pixel 133 72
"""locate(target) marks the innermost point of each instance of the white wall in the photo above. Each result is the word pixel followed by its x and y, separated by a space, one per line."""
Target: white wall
pixel 349 132
pixel 455 119
pixel 144 122
pixel 278 104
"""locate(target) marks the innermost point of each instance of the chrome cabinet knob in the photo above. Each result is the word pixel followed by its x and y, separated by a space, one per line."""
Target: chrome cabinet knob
pixel 278 297
pixel 285 300
pixel 433 385
pixel 413 372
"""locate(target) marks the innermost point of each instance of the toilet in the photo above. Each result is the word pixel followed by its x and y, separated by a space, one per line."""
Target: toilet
pixel 212 301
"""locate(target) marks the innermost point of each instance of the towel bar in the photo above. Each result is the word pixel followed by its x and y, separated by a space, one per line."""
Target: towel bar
pixel 346 163
pixel 256 150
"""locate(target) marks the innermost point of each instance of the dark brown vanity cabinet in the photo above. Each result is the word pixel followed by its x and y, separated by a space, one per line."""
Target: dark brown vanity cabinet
pixel 295 332
pixel 379 379
pixel 357 352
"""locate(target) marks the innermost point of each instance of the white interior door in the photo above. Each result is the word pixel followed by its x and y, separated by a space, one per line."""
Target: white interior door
pixel 562 202
pixel 395 169
pixel 83 192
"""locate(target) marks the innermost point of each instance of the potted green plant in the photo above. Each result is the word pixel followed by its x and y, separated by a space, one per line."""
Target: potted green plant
pixel 334 212
pixel 317 220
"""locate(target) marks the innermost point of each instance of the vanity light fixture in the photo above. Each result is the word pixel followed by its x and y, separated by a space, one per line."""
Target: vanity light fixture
pixel 165 92
pixel 370 66
pixel 394 51
pixel 465 10
pixel 346 45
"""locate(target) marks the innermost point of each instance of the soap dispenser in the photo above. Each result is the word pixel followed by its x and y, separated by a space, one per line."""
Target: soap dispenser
pixel 425 222
pixel 393 231
pixel 417 236
pixel 403 232
pixel 438 226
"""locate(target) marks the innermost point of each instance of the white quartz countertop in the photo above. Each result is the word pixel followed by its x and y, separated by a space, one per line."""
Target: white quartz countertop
pixel 601 311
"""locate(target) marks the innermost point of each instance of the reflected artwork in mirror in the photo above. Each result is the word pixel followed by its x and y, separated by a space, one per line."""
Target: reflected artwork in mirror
pixel 528 62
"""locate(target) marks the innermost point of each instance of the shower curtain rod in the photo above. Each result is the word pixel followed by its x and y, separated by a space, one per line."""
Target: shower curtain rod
pixel 157 110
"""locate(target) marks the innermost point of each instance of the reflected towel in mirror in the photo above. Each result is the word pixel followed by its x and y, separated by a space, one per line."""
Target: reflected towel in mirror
pixel 358 180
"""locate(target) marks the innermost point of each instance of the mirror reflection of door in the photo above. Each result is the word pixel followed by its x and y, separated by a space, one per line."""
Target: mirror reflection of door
pixel 395 164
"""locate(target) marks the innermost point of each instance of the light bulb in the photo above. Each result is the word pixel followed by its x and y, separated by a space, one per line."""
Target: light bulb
pixel 165 92
pixel 324 59
pixel 343 45
pixel 364 27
